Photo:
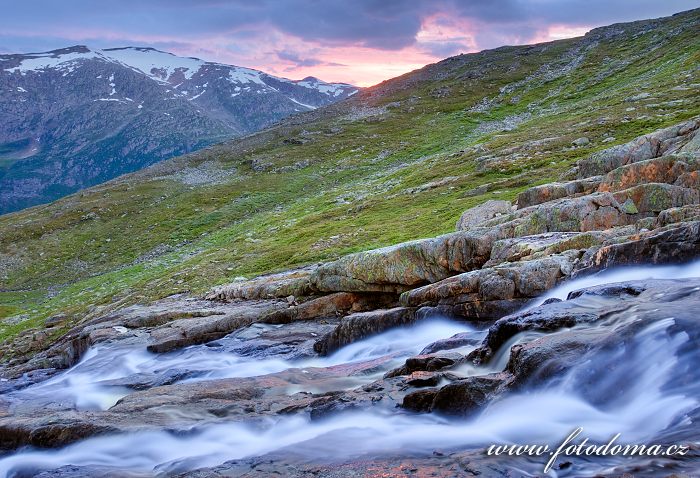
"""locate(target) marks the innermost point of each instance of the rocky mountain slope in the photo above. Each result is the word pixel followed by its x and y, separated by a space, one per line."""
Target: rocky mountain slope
pixel 76 117
pixel 636 203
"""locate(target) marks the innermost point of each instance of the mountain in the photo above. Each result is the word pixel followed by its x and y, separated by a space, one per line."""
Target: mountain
pixel 396 162
pixel 76 117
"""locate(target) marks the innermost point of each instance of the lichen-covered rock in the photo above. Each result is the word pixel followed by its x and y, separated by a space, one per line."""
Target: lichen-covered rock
pixel 678 214
pixel 540 245
pixel 673 169
pixel 483 212
pixel 289 283
pixel 494 292
pixel 593 212
pixel 551 191
pixel 332 305
pixel 407 265
pixel 655 197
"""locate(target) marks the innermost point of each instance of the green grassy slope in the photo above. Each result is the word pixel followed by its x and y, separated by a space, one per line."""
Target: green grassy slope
pixel 400 161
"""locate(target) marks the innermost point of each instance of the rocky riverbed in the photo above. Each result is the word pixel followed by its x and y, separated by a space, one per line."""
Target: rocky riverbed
pixel 574 307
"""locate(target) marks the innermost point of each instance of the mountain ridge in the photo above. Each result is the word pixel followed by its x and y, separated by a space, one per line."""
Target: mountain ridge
pixel 76 116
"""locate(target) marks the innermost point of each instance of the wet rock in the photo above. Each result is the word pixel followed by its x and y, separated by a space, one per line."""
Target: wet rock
pixel 360 325
pixel 420 400
pixel 426 363
pixel 676 244
pixel 483 212
pixel 456 341
pixel 198 330
pixel 541 358
pixel 466 396
pixel 423 379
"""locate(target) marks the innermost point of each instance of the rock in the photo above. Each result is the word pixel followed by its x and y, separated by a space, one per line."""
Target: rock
pixel 458 340
pixel 407 265
pixel 423 379
pixel 604 328
pixel 655 197
pixel 419 401
pixel 197 330
pixel 693 145
pixel 551 191
pixel 673 169
pixel 483 212
pixel 332 305
pixel 426 363
pixel 493 292
pixel 678 214
pixel 466 396
pixel 593 212
pixel 363 324
pixel 583 141
pixel 653 145
pixel 677 244
pixel 541 245
pixel 290 283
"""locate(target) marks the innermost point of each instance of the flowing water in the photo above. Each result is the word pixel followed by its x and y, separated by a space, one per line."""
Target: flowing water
pixel 640 390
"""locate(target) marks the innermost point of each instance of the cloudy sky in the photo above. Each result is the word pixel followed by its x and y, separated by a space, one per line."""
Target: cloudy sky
pixel 357 41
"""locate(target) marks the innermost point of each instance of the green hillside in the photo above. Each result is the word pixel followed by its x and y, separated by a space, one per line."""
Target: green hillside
pixel 396 162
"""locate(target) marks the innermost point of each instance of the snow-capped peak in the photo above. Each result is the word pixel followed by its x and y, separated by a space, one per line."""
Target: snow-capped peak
pixel 157 64
pixel 183 73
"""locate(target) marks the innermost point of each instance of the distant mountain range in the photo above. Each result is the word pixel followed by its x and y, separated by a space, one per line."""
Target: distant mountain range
pixel 75 117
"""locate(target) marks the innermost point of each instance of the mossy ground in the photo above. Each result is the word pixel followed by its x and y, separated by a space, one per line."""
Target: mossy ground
pixel 355 183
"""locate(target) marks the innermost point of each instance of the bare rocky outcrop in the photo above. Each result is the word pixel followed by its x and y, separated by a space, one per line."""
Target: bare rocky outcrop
pixel 501 257
pixel 483 212
pixel 680 137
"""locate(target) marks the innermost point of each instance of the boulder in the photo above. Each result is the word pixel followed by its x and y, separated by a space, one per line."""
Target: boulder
pixel 540 245
pixel 332 305
pixel 678 214
pixel 593 212
pixel 289 283
pixel 551 191
pixel 357 326
pixel 676 244
pixel 653 145
pixel 673 169
pixel 483 212
pixel 493 292
pixel 655 197
pixel 404 266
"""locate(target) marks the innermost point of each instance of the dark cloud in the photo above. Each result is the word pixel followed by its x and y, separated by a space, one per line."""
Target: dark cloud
pixel 297 60
pixel 381 24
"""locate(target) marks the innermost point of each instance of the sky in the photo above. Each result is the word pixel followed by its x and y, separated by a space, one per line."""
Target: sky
pixel 362 42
